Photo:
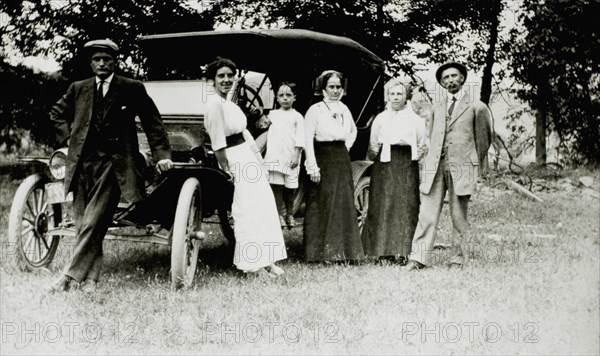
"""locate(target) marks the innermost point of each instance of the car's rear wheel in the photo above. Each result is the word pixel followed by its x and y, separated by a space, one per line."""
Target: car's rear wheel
pixel 361 200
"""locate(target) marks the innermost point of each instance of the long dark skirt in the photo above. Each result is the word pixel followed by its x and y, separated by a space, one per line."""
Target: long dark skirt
pixel 330 223
pixel 393 205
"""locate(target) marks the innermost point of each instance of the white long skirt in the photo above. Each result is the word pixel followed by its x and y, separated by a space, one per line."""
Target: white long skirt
pixel 258 236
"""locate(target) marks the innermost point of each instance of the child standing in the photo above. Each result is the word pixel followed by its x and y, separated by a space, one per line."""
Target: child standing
pixel 285 142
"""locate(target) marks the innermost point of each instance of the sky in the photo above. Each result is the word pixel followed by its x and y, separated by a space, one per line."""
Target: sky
pixel 41 64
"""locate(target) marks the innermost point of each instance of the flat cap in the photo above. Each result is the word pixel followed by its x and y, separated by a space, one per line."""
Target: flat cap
pixel 104 44
pixel 461 68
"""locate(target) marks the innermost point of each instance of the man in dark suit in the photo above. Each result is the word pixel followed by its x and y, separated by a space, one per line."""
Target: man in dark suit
pixel 96 120
pixel 460 132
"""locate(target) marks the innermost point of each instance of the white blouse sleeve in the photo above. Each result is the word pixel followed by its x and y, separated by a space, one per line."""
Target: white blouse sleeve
pixel 422 140
pixel 310 128
pixel 374 143
pixel 352 135
pixel 299 136
pixel 214 124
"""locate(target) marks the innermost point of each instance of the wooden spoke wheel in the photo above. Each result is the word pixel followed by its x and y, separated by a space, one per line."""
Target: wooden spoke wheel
pixel 187 234
pixel 31 216
pixel 361 200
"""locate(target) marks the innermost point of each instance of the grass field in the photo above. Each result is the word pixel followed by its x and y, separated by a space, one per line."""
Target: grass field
pixel 531 286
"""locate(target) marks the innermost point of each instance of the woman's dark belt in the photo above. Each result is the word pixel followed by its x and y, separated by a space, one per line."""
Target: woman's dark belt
pixel 234 140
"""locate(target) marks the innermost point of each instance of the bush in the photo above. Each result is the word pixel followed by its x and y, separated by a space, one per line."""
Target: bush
pixel 24 105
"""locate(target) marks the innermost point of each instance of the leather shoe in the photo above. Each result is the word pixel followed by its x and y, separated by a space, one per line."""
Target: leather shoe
pixel 276 270
pixel 282 221
pixel 401 261
pixel 260 273
pixel 413 265
pixel 90 286
pixel 62 284
pixel 290 221
pixel 454 264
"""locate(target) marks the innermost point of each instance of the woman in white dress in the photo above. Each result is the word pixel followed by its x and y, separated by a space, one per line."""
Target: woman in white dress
pixel 259 239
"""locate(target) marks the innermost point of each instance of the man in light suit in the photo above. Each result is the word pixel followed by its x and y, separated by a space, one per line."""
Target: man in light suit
pixel 460 132
pixel 96 120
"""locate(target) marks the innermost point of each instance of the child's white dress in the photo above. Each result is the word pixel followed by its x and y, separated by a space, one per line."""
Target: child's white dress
pixel 285 134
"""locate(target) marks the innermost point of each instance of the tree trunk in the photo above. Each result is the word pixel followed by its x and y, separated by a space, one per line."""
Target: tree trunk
pixel 490 58
pixel 540 136
pixel 380 27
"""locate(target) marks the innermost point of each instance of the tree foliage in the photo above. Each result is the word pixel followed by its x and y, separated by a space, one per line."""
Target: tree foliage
pixel 58 29
pixel 24 103
pixel 389 28
pixel 553 60
pixel 61 27
pixel 556 62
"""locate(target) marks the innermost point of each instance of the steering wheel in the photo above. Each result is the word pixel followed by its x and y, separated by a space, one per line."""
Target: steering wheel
pixel 248 99
pixel 251 104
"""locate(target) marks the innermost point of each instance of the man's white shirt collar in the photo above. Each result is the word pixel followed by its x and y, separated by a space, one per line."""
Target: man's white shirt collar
pixel 458 96
pixel 106 81
pixel 106 84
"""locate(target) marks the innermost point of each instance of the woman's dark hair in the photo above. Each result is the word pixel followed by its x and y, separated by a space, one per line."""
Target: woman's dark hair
pixel 214 66
pixel 324 78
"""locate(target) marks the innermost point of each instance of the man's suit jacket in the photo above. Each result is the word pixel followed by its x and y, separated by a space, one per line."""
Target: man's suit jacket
pixel 125 99
pixel 468 134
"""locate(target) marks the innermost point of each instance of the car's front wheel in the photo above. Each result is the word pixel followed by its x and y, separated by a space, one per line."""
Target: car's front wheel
pixel 31 217
pixel 187 234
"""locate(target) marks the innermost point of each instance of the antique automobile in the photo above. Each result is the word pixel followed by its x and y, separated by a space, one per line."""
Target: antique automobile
pixel 197 191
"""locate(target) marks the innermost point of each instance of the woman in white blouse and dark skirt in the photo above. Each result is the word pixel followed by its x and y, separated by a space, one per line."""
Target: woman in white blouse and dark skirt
pixel 258 236
pixel 397 141
pixel 330 224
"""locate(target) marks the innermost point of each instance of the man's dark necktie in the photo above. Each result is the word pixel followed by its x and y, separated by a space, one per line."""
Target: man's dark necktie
pixel 99 104
pixel 95 141
pixel 100 96
pixel 451 106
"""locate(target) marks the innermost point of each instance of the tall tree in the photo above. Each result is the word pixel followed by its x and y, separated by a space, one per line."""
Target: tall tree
pixel 387 27
pixel 493 32
pixel 60 27
pixel 555 61
pixel 24 104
